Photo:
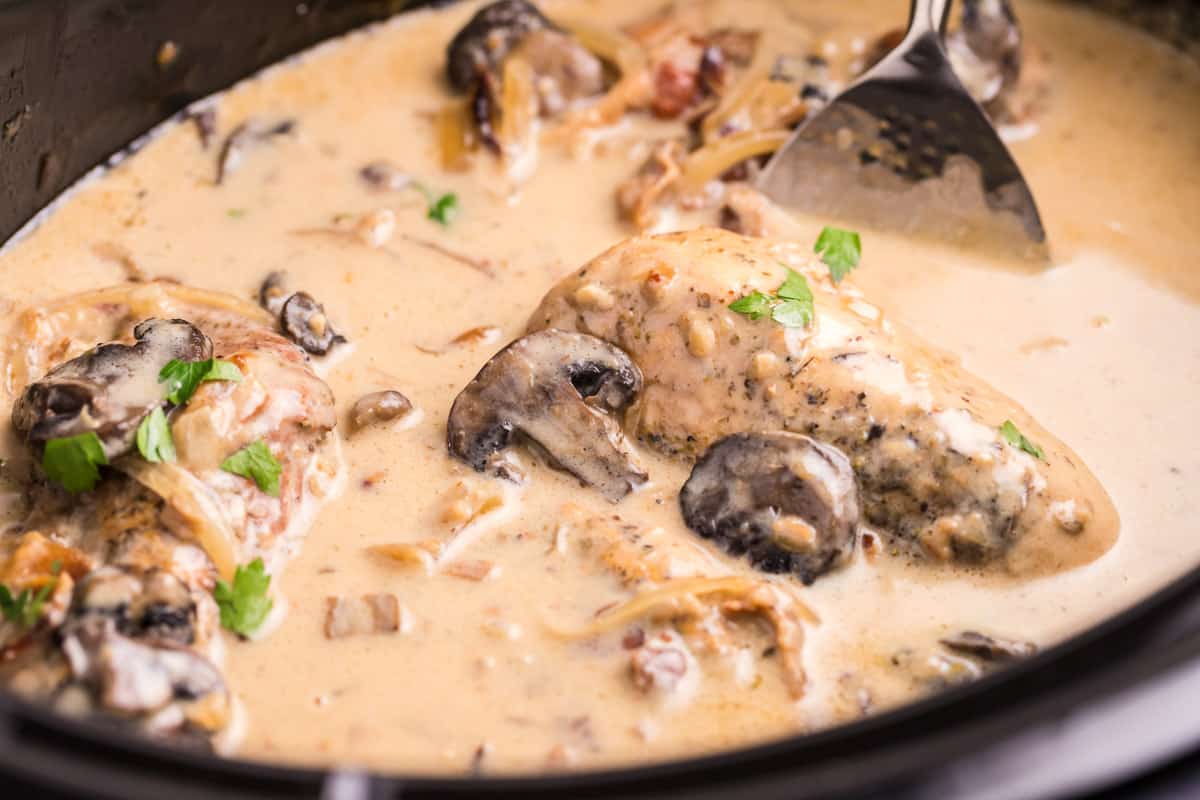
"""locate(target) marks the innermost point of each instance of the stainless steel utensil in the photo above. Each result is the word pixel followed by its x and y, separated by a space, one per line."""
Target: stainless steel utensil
pixel 906 147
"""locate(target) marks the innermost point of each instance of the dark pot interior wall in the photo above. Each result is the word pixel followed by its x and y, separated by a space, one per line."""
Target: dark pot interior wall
pixel 79 79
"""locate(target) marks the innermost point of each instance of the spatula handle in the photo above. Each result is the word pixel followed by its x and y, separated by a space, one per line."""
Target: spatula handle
pixel 927 16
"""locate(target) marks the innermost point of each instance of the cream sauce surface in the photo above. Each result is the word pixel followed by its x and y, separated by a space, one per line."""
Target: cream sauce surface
pixel 1103 348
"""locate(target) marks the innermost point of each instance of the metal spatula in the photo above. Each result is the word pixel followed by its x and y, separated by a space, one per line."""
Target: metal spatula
pixel 906 147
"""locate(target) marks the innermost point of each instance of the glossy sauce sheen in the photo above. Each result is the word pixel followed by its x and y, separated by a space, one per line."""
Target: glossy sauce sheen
pixel 1103 349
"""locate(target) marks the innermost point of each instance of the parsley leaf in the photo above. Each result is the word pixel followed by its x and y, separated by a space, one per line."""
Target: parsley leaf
pixel 154 440
pixel 74 461
pixel 184 377
pixel 1013 436
pixel 245 604
pixel 755 305
pixel 791 306
pixel 254 461
pixel 444 209
pixel 793 314
pixel 25 608
pixel 841 251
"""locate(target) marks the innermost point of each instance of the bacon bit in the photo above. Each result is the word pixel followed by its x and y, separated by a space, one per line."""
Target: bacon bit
pixel 483 334
pixel 372 613
pixel 470 569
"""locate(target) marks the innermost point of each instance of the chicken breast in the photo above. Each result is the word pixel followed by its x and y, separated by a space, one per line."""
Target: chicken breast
pixel 127 625
pixel 938 477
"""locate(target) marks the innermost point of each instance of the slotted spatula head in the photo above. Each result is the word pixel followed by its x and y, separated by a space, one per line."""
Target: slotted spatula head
pixel 905 147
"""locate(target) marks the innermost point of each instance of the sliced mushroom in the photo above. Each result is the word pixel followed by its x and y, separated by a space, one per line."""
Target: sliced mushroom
pixel 305 323
pixel 378 407
pixel 245 137
pixel 108 389
pixel 986 50
pixel 487 39
pixel 786 501
pixel 565 69
pixel 273 293
pixel 560 390
pixel 155 606
pixel 992 649
pixel 130 677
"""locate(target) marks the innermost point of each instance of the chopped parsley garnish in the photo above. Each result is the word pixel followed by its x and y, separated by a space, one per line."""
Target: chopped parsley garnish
pixel 245 604
pixel 841 251
pixel 25 608
pixel 254 461
pixel 443 208
pixel 791 305
pixel 74 462
pixel 755 305
pixel 184 377
pixel 1013 436
pixel 154 440
pixel 236 213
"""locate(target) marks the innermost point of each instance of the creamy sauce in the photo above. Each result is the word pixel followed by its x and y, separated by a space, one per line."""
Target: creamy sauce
pixel 1103 349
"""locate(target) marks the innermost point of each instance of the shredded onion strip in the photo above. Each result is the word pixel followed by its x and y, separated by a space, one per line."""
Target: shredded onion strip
pixel 712 160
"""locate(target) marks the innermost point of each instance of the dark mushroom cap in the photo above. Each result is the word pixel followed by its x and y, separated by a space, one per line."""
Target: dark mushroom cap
pixel 488 37
pixel 109 389
pixel 561 391
pixel 152 605
pixel 379 407
pixel 787 502
pixel 304 322
pixel 273 293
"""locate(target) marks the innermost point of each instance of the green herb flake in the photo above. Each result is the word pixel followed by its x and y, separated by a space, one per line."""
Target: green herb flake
pixel 791 306
pixel 254 461
pixel 74 462
pixel 236 213
pixel 444 209
pixel 154 440
pixel 1013 436
pixel 25 609
pixel 184 377
pixel 841 251
pixel 223 371
pixel 245 604
pixel 755 305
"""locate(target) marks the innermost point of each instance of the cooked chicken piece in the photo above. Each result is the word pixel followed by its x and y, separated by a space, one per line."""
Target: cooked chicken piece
pixel 130 627
pixel 936 475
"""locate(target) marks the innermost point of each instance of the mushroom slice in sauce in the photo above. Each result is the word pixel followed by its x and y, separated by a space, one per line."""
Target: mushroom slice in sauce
pixel 560 390
pixel 489 36
pixel 273 293
pixel 377 407
pixel 108 389
pixel 986 51
pixel 786 501
pixel 992 649
pixel 305 323
pixel 244 137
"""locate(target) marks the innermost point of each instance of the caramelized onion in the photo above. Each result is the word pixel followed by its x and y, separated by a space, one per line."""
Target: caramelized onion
pixel 712 160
